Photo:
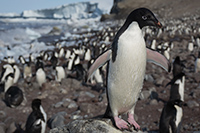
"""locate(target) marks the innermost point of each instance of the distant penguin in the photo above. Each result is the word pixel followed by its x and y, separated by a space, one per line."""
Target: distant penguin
pixel 127 64
pixel 60 73
pixel 16 73
pixel 197 64
pixel 67 54
pixel 6 69
pixel 71 61
pixel 14 96
pixel 9 80
pixel 54 60
pixel 22 60
pixel 177 66
pixel 40 73
pixel 61 52
pixel 87 55
pixel 191 46
pixel 80 71
pixel 27 70
pixel 36 122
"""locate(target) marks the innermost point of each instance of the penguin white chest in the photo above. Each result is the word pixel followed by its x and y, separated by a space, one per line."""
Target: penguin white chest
pixel 40 76
pixel 126 73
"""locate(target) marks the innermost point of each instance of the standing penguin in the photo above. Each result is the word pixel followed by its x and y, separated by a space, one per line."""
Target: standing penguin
pixel 171 116
pixel 127 64
pixel 40 74
pixel 36 122
pixel 60 73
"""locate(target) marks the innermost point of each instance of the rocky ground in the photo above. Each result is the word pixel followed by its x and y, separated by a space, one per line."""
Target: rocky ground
pixel 72 99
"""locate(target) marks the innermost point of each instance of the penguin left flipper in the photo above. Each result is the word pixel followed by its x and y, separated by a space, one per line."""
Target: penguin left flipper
pixel 100 61
pixel 158 59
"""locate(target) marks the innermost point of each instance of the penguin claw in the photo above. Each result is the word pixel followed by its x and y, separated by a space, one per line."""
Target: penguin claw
pixel 120 123
pixel 132 121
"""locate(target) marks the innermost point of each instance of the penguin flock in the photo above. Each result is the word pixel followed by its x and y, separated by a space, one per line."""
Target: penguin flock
pixel 114 57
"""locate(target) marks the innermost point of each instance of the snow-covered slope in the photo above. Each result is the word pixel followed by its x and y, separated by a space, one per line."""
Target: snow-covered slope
pixel 80 10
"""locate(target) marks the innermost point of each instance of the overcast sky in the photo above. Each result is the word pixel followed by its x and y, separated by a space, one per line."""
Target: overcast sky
pixel 17 6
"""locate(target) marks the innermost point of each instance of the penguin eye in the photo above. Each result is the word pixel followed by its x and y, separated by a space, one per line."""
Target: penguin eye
pixel 144 17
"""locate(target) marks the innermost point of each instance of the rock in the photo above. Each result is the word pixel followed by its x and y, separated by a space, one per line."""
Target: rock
pixel 2 115
pixel 89 126
pixel 149 78
pixel 160 80
pixel 85 96
pixel 153 102
pixel 68 103
pixel 145 94
pixel 192 104
pixel 58 105
pixel 2 128
pixel 11 128
pixel 57 120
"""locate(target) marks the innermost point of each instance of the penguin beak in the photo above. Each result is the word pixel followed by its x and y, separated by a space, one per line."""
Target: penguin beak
pixel 158 24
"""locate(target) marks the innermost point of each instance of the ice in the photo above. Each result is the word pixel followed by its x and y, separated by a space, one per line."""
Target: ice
pixel 82 10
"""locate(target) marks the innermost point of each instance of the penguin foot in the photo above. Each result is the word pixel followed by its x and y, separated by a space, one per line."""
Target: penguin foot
pixel 132 121
pixel 120 123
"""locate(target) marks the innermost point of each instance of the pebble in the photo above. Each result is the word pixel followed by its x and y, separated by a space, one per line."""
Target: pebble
pixel 149 78
pixel 58 105
pixel 192 104
pixel 2 128
pixel 2 115
pixel 153 102
pixel 57 120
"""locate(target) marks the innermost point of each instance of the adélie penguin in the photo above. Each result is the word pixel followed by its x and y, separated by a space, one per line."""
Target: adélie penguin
pixel 36 122
pixel 14 96
pixel 127 63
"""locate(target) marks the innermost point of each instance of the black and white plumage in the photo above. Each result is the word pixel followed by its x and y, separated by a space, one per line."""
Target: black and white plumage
pixel 9 81
pixel 127 63
pixel 6 69
pixel 172 113
pixel 36 122
pixel 14 96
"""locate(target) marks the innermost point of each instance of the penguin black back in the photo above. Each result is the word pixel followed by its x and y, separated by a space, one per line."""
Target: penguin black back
pixel 14 96
pixel 33 124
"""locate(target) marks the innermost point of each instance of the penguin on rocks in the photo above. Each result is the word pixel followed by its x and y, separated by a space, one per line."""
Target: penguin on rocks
pixel 60 73
pixel 13 96
pixel 126 66
pixel 172 113
pixel 40 73
pixel 36 122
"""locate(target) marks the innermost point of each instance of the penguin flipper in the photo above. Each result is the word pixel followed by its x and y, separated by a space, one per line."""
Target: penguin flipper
pixel 158 59
pixel 100 61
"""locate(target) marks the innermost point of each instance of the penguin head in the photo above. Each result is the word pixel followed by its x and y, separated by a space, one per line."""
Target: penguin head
pixel 144 17
pixel 36 104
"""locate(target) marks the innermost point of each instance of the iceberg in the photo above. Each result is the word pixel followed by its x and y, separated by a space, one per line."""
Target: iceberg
pixel 81 10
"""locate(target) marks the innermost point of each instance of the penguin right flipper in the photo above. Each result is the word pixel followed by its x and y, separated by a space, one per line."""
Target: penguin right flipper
pixel 158 59
pixel 100 61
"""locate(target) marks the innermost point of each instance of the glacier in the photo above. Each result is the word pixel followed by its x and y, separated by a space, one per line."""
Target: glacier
pixel 81 10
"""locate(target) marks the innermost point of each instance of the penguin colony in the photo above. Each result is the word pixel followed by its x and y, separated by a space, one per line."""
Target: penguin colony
pixel 74 62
